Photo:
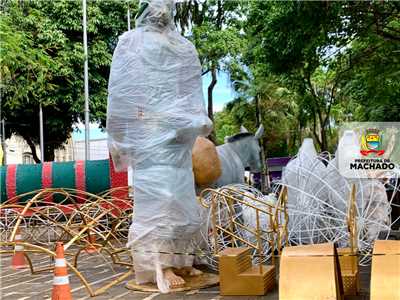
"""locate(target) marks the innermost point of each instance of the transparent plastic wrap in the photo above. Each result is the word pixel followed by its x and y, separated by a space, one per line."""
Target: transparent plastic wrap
pixel 372 205
pixel 341 186
pixel 304 177
pixel 155 112
pixel 155 90
pixel 318 199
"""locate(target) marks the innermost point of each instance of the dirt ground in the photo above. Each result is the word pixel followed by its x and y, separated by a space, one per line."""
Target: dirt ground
pixel 21 285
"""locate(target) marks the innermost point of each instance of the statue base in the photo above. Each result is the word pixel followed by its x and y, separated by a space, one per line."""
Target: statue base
pixel 202 281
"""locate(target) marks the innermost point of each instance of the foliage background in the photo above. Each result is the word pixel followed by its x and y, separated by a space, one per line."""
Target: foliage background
pixel 301 68
pixel 41 58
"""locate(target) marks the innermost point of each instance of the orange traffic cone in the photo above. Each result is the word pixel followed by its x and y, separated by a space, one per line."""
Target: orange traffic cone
pixel 91 248
pixel 61 288
pixel 18 261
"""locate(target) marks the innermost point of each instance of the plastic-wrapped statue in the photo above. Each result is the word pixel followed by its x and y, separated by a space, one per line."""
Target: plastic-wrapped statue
pixel 155 112
pixel 304 177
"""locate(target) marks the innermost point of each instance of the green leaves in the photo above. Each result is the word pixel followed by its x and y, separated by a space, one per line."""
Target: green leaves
pixel 336 57
pixel 216 47
pixel 312 65
pixel 42 63
pixel 22 65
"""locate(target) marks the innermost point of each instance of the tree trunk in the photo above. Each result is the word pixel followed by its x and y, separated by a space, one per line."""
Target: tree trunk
pixel 315 133
pixel 318 109
pixel 48 153
pixel 219 14
pixel 324 141
pixel 210 89
pixel 32 146
pixel 210 93
pixel 264 170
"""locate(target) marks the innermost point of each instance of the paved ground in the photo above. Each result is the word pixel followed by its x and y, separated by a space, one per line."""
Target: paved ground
pixel 21 285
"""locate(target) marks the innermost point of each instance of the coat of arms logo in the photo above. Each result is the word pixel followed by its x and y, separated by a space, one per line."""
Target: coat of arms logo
pixel 371 142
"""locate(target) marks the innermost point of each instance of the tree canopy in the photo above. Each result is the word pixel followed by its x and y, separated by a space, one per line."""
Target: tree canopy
pixel 301 68
pixel 214 28
pixel 338 60
pixel 42 63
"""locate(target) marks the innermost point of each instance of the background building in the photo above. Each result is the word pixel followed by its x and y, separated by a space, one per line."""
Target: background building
pixel 17 151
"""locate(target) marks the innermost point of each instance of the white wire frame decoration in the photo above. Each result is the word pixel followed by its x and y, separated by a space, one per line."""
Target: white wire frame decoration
pixel 318 205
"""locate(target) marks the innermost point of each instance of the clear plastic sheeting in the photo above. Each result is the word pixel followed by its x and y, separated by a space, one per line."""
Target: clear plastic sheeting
pixel 155 112
pixel 155 91
pixel 372 203
pixel 349 150
pixel 318 200
pixel 304 173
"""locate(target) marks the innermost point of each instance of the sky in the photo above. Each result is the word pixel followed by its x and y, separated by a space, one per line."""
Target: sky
pixel 222 94
pixel 223 91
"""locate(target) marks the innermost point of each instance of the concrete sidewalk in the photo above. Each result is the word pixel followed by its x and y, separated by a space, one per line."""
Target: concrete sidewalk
pixel 21 285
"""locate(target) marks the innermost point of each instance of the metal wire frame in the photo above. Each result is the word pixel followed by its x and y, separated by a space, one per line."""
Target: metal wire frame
pixel 103 216
pixel 276 228
pixel 352 225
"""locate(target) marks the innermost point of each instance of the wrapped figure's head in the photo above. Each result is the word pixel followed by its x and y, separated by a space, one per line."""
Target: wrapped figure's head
pixel 156 13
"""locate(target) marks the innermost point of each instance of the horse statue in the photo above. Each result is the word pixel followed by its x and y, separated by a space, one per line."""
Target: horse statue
pixel 239 152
